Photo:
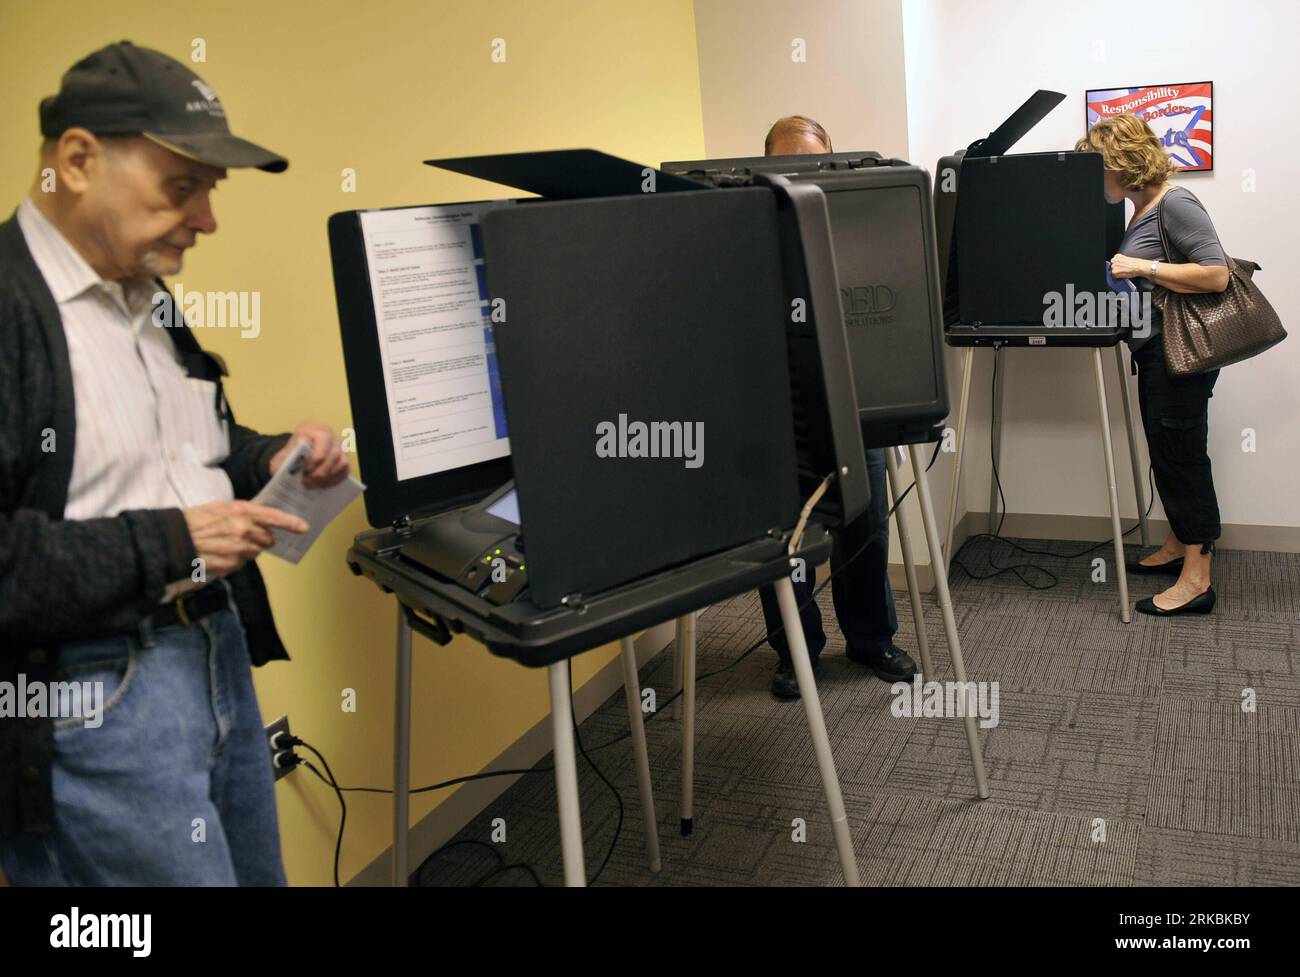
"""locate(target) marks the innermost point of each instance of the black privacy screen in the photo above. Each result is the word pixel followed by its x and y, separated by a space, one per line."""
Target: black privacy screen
pixel 634 327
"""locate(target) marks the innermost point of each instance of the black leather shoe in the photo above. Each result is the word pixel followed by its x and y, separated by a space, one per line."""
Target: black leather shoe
pixel 1200 604
pixel 892 665
pixel 784 683
pixel 1174 568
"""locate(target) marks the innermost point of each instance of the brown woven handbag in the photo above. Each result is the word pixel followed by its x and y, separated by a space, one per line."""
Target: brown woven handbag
pixel 1213 329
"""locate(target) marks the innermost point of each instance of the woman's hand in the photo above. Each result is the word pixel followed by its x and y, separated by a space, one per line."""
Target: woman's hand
pixel 1122 266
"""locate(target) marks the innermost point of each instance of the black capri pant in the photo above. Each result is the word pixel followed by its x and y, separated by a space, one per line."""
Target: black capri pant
pixel 1175 417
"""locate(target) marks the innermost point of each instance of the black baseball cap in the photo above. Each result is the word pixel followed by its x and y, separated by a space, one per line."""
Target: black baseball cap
pixel 124 90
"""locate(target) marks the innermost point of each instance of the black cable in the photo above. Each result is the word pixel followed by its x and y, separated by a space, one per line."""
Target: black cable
pixel 338 844
pixel 577 735
pixel 618 739
pixel 477 843
pixel 513 865
pixel 996 535
pixel 781 627
pixel 333 782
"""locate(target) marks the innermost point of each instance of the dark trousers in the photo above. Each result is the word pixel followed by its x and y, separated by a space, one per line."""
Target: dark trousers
pixel 1175 417
pixel 864 602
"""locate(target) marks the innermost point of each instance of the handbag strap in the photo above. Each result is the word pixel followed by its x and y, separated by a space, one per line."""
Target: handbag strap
pixel 1164 239
pixel 1160 226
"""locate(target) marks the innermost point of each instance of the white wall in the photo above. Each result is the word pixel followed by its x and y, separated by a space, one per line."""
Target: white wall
pixel 851 80
pixel 969 64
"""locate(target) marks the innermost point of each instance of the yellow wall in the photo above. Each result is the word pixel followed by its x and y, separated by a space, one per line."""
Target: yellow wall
pixel 377 87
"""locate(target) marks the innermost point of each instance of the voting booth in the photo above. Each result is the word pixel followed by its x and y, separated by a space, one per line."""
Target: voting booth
pixel 1023 237
pixel 1014 228
pixel 885 263
pixel 577 417
pixel 882 232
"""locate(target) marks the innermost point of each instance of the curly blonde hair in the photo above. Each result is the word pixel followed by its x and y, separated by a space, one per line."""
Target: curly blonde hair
pixel 1130 149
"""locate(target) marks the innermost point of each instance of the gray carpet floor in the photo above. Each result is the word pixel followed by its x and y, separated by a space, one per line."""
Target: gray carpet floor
pixel 1123 755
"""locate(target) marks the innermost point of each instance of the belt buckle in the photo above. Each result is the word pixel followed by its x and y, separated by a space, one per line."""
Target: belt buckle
pixel 181 612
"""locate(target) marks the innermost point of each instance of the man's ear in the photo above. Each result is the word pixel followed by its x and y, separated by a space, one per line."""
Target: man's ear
pixel 76 154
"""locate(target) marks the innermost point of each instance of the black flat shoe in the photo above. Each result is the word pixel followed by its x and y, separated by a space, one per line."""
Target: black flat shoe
pixel 891 665
pixel 784 683
pixel 1174 568
pixel 1200 604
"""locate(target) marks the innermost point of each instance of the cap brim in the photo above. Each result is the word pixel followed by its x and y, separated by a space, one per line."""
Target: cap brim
pixel 220 149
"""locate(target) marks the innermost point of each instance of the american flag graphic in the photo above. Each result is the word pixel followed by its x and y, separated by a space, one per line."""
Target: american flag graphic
pixel 1181 116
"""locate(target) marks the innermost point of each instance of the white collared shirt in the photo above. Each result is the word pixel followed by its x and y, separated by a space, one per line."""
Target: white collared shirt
pixel 148 436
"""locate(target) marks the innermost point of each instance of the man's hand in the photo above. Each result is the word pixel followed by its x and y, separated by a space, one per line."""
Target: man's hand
pixel 326 465
pixel 227 535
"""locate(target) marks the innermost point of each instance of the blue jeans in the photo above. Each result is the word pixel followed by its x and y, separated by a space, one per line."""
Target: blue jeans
pixel 863 599
pixel 174 786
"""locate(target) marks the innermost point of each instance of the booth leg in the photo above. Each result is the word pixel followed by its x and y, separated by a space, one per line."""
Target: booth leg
pixel 402 752
pixel 967 359
pixel 995 436
pixel 1138 491
pixel 817 728
pixel 1120 573
pixel 686 646
pixel 566 775
pixel 636 726
pixel 909 566
pixel 945 604
pixel 677 669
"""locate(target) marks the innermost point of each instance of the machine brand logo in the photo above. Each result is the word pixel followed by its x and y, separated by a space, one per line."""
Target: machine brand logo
pixel 868 305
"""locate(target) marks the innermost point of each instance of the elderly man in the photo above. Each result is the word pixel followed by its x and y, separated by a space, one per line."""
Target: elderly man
pixel 125 551
pixel 864 602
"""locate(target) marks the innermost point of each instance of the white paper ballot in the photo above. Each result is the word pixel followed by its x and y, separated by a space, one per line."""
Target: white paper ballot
pixel 428 286
pixel 286 492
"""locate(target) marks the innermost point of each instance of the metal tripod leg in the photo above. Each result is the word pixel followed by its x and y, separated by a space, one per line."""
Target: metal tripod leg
pixel 402 752
pixel 909 565
pixel 566 775
pixel 817 729
pixel 1132 446
pixel 636 726
pixel 961 443
pixel 686 653
pixel 945 604
pixel 677 669
pixel 1120 573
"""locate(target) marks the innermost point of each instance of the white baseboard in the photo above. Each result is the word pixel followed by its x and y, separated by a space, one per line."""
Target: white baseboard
pixel 1025 525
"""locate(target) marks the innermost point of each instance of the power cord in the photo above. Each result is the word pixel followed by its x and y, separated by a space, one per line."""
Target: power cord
pixel 327 778
pixel 485 775
pixel 779 629
pixel 500 869
pixel 996 535
pixel 618 827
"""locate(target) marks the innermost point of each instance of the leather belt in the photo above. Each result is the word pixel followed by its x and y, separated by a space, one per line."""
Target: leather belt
pixel 189 608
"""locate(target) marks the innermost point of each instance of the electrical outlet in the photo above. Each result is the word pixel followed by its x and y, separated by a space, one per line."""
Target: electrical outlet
pixel 281 725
